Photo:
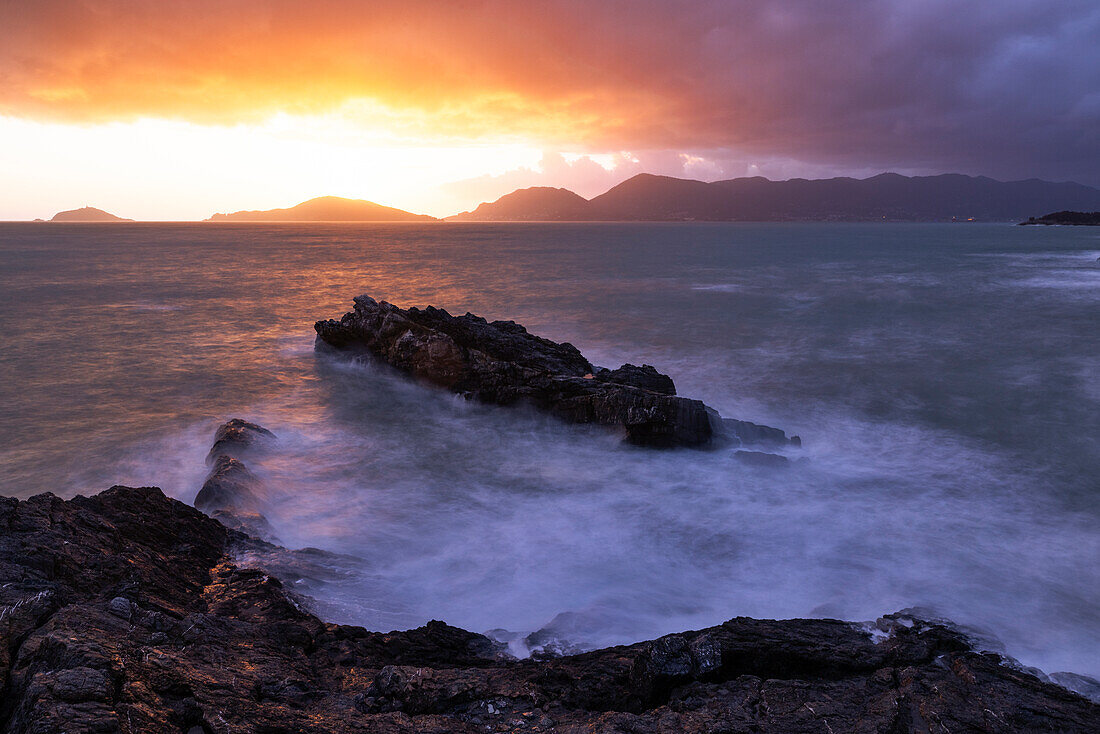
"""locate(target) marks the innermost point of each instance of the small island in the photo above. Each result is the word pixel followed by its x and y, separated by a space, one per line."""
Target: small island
pixel 326 209
pixel 1088 219
pixel 87 214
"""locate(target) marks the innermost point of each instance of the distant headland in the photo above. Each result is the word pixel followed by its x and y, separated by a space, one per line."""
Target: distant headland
pixel 87 214
pixel 885 197
pixel 326 209
pixel 1091 219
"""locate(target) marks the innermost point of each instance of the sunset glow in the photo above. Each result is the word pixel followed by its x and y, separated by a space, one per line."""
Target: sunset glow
pixel 254 103
pixel 170 169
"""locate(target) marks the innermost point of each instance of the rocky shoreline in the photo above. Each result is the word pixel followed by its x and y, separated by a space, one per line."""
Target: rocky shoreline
pixel 126 612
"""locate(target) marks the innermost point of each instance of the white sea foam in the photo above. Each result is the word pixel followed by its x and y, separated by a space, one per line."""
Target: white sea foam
pixel 496 518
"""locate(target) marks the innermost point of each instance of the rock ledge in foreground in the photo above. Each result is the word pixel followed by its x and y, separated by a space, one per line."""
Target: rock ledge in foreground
pixel 124 613
pixel 500 362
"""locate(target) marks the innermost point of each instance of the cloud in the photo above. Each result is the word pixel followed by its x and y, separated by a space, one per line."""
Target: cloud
pixel 1009 88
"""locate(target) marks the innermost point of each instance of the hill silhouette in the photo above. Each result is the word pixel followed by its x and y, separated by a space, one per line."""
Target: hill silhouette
pixel 86 214
pixel 1089 219
pixel 888 196
pixel 326 209
pixel 538 203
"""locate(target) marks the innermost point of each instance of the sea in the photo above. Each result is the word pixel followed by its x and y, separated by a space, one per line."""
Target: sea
pixel 944 379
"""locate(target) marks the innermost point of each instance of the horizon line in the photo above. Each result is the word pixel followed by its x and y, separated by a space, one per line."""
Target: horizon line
pixel 450 217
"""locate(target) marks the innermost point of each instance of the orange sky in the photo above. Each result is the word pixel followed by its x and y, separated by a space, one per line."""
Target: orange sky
pixel 448 69
pixel 94 93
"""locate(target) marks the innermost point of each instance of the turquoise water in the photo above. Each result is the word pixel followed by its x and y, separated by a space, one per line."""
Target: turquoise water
pixel 945 380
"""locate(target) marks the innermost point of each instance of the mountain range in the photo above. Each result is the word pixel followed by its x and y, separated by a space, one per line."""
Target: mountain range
pixel 888 196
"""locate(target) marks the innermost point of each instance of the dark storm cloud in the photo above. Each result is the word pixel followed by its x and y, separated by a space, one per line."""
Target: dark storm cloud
pixel 1008 88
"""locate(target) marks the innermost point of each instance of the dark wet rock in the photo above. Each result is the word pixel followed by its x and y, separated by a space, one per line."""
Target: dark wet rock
pixel 761 458
pixel 250 523
pixel 231 486
pixel 231 492
pixel 120 606
pixel 77 685
pixel 233 495
pixel 566 634
pixel 646 377
pixel 749 434
pixel 305 571
pixel 500 362
pixel 239 655
pixel 236 437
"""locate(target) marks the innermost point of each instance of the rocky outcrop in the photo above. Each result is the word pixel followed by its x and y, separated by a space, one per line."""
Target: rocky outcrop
pixel 237 438
pixel 124 612
pixel 231 492
pixel 500 362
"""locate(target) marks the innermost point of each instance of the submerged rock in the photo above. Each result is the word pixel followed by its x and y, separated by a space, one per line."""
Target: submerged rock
pixel 500 362
pixel 208 646
pixel 761 458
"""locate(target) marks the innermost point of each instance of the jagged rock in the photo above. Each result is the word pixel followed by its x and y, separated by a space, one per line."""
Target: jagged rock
pixel 120 606
pixel 500 362
pixel 236 437
pixel 238 655
pixel 231 492
pixel 250 523
pixel 232 495
pixel 748 434
pixel 78 685
pixel 229 487
pixel 646 377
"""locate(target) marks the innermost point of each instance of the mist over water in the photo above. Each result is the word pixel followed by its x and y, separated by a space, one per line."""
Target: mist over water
pixel 945 380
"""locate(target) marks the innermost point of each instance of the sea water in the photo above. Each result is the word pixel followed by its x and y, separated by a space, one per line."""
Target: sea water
pixel 945 380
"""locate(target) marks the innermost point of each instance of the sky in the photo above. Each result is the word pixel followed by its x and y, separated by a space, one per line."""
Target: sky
pixel 157 110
